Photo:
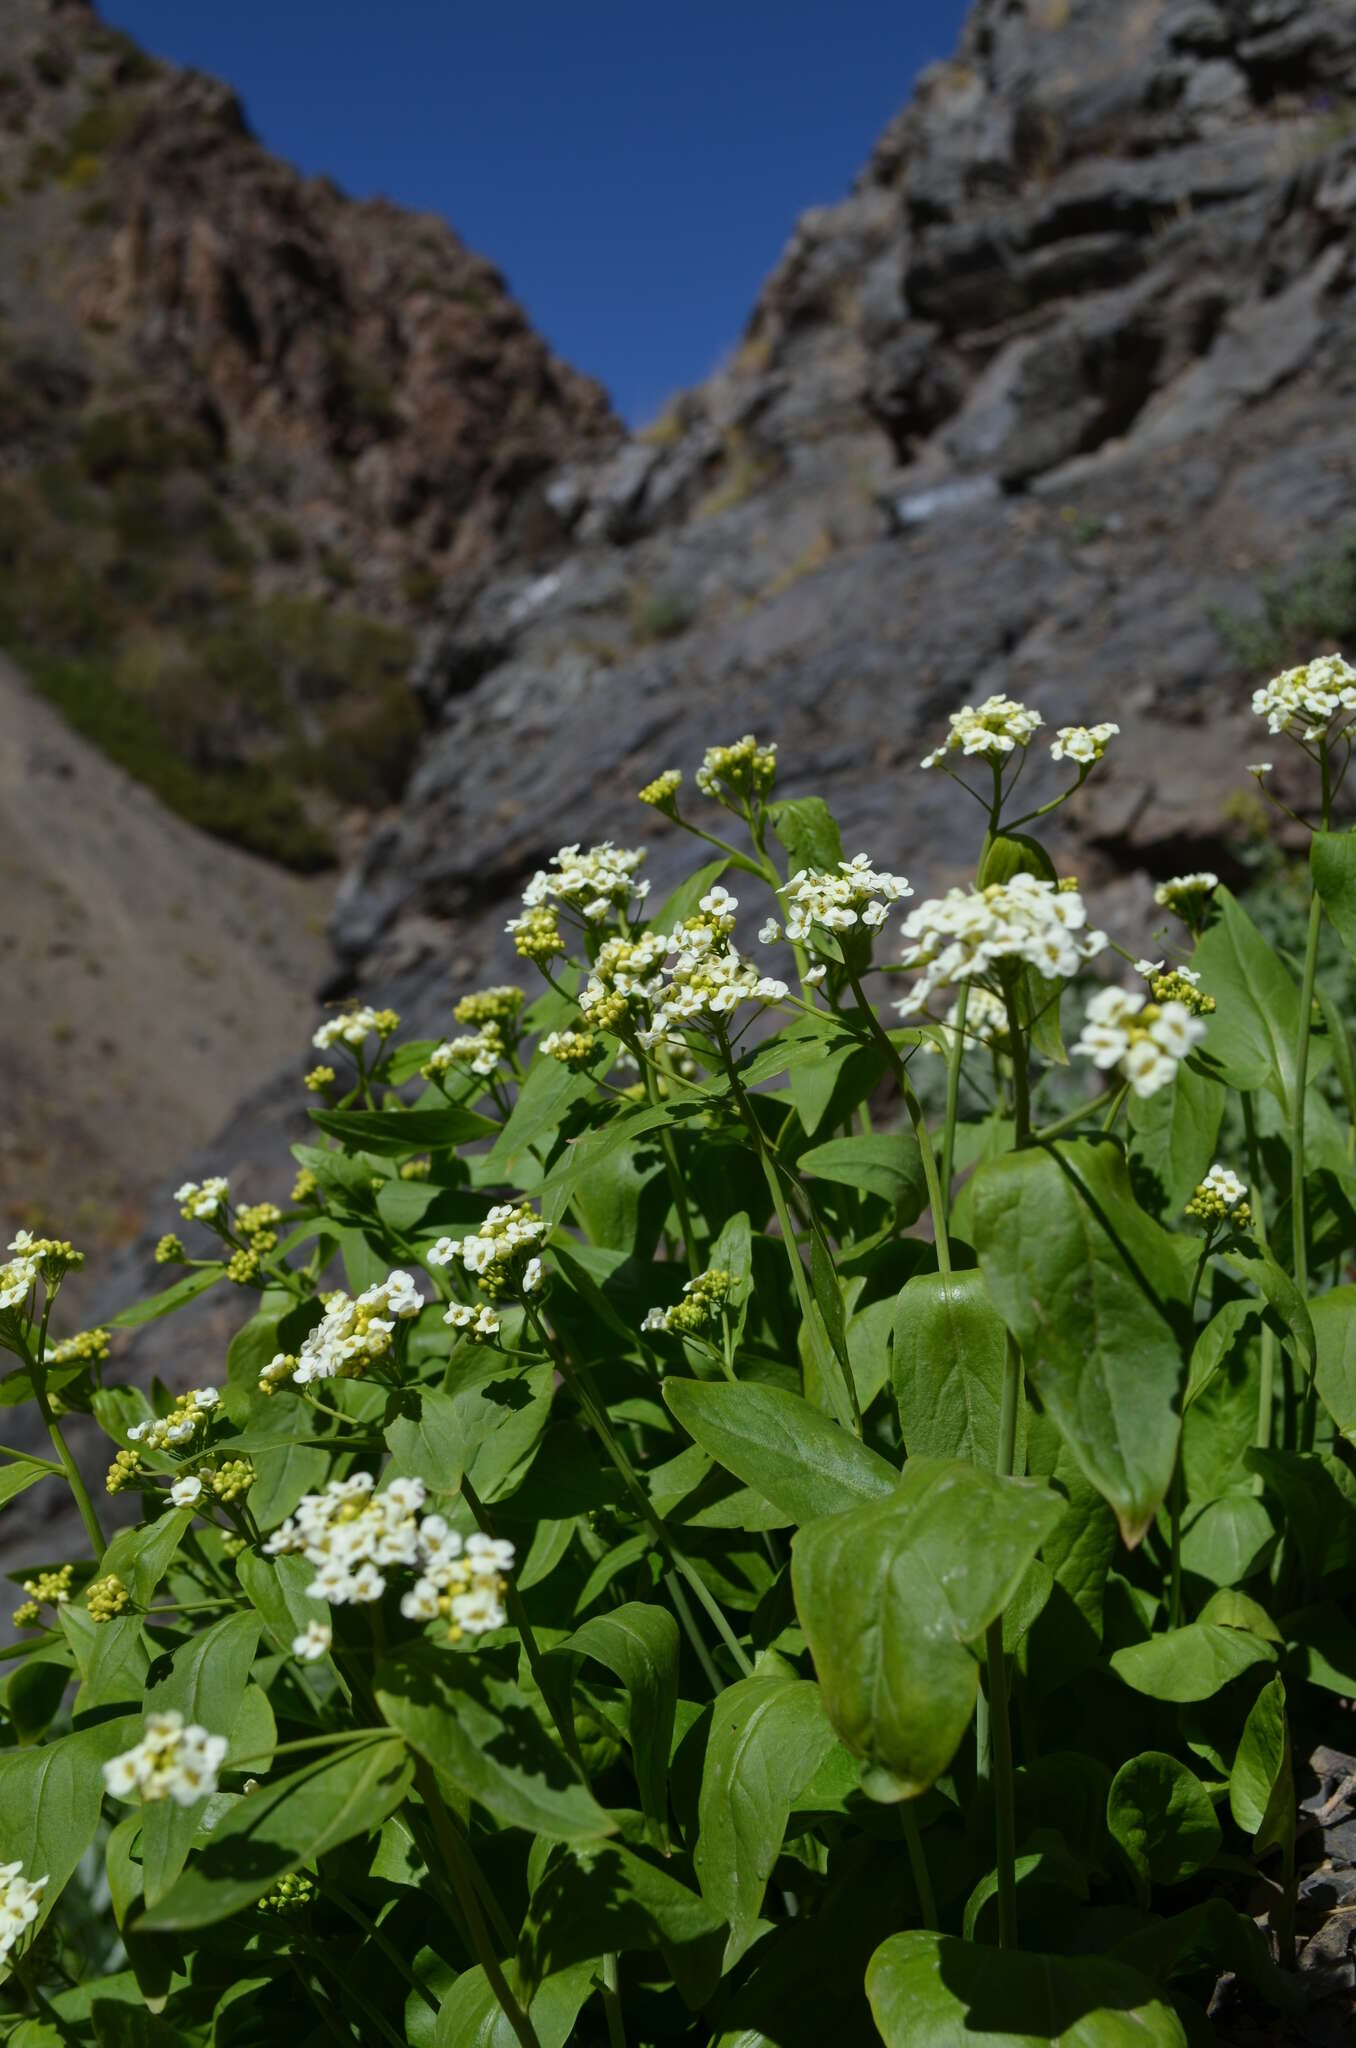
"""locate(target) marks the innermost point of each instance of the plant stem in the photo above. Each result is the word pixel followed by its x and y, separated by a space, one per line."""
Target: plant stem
pixel 616 2031
pixel 675 1177
pixel 918 1864
pixel 387 1947
pixel 1267 1370
pixel 1176 1492
pixel 1298 1215
pixel 936 1193
pixel 1074 1117
pixel 1005 1832
pixel 955 1053
pixel 324 1960
pixel 463 1883
pixel 77 1485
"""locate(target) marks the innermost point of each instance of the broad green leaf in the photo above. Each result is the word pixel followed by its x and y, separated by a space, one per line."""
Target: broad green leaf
pixel 886 1164
pixel 1085 1280
pixel 430 1443
pixel 1215 1342
pixel 51 1798
pixel 1161 1815
pixel 891 1593
pixel 1172 1140
pixel 780 1445
pixel 188 1289
pixel 1332 863
pixel 276 1589
pixel 1251 1036
pixel 1066 1636
pixel 284 1824
pixel 1338 1040
pixel 1277 1287
pixel 109 1655
pixel 767 1739
pixel 686 898
pixel 471 2016
pixel 843 1074
pixel 1228 1539
pixel 603 1896
pixel 389 1132
pixel 205 1683
pixel 1190 1663
pixel 932 1991
pixel 482 1738
pixel 20 1473
pixel 949 1349
pixel 1334 1326
pixel 285 1473
pixel 1316 1494
pixel 1202 1942
pixel 141 1557
pixel 1047 1862
pixel 549 1090
pixel 1262 1782
pixel 639 1645
pixel 809 832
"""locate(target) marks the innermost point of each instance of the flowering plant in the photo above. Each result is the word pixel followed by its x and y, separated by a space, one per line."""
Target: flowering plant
pixel 685 1546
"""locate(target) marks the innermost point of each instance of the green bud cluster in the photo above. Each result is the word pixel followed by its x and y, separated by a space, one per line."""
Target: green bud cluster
pixel 170 1250
pixel 123 1471
pixel 536 935
pixel 290 1895
pixel 1177 988
pixel 232 1480
pixel 499 1005
pixel 106 1597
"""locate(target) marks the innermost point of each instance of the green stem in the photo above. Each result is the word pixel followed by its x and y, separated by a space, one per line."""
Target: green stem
pixel 72 1471
pixel 918 1864
pixel 616 2030
pixel 463 1883
pixel 1176 1494
pixel 1298 1214
pixel 1266 1395
pixel 1075 1117
pixel 955 1053
pixel 387 1947
pixel 1021 1079
pixel 936 1193
pixel 675 1178
pixel 323 1960
pixel 1005 1829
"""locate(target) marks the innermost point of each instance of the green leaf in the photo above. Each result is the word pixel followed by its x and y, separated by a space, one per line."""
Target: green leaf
pixel 1190 1663
pixel 51 1798
pixel 205 1683
pixel 471 2016
pixel 482 1738
pixel 389 1132
pixel 1334 1326
pixel 1262 1781
pixel 599 1897
pixel 891 1593
pixel 549 1090
pixel 639 1645
pixel 889 1165
pixel 280 1827
pixel 109 1655
pixel 1214 1344
pixel 780 1445
pixel 188 1289
pixel 1160 1814
pixel 686 898
pixel 141 1557
pixel 1085 1280
pixel 1228 1539
pixel 1279 1290
pixel 284 1474
pixel 767 1739
pixel 949 1351
pixel 932 1991
pixel 21 1473
pixel 1251 1036
pixel 1172 1140
pixel 807 829
pixel 1332 863
pixel 276 1589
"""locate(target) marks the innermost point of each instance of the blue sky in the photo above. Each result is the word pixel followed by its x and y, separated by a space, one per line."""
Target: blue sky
pixel 632 168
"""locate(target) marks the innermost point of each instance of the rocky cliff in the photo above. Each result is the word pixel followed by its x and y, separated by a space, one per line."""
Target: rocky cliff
pixel 1066 374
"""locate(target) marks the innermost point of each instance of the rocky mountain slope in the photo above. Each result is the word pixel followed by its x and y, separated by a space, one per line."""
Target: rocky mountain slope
pixel 246 426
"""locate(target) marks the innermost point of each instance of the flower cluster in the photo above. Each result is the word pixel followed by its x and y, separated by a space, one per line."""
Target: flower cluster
pixel 353 1537
pixel 1305 700
pixel 174 1759
pixel 572 1048
pixel 995 727
pixel 352 1028
pixel 190 1417
pixel 170 1250
pixel 200 1201
pixel 501 1255
pixel 481 1321
pixel 289 1896
pixel 314 1642
pixel 47 1259
pixel 480 1052
pixel 228 1482
pixel 662 793
pixel 595 883
pixel 106 1598
pixel 318 1079
pixel 858 895
pixel 971 934
pixel 124 1470
pixel 86 1347
pixel 742 772
pixel 693 976
pixel 1188 896
pixel 1144 1041
pixel 1221 1198
pixel 48 1589
pixel 499 1005
pixel 1176 985
pixel 1082 744
pixel 986 1020
pixel 704 1298
pixel 350 1338
pixel 536 935
pixel 626 975
pixel 20 1899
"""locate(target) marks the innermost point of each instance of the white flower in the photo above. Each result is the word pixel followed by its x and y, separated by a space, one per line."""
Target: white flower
pixel 1222 1181
pixel 185 1492
pixel 481 1052
pixel 968 934
pixel 205 1397
pixel 995 727
pixel 353 1027
pixel 313 1643
pixel 1082 744
pixel 533 1275
pixel 856 894
pixel 198 1201
pixel 173 1760
pixel 352 1336
pixel 769 932
pixel 1143 1041
pixel 477 1612
pixel 20 1902
pixel 815 975
pixel 593 883
pixel 1305 700
pixel 1258 768
pixel 1149 968
pixel 718 902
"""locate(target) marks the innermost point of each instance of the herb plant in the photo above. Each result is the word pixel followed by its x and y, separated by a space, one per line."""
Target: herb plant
pixel 683 1552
